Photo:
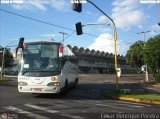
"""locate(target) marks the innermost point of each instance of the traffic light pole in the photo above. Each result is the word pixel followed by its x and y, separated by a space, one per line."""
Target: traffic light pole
pixel 115 40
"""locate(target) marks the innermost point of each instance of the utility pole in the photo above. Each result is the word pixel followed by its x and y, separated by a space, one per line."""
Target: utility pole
pixel 146 71
pixel 63 35
pixel 2 62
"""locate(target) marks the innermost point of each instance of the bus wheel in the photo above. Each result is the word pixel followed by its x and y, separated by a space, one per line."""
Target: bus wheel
pixel 64 89
pixel 75 83
pixel 66 84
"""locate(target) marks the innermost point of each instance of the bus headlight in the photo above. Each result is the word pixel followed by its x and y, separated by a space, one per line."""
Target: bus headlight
pixel 21 83
pixel 53 84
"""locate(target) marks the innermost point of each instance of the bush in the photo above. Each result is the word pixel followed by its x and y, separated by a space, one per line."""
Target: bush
pixel 157 77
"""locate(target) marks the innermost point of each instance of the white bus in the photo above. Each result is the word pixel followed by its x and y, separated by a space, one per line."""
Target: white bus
pixel 46 67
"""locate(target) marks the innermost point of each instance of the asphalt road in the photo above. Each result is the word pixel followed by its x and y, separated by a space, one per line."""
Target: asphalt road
pixel 83 102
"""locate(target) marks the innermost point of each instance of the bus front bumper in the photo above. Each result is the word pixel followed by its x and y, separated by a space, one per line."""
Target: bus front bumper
pixel 39 89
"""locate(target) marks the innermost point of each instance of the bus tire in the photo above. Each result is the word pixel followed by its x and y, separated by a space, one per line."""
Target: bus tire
pixel 64 89
pixel 75 83
pixel 66 85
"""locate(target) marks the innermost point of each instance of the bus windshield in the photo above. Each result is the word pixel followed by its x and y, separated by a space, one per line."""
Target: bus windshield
pixel 40 59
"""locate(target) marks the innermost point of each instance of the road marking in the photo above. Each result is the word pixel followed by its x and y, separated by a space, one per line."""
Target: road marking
pixel 30 114
pixel 41 108
pixel 134 103
pixel 60 105
pixel 114 107
pixel 126 104
pixel 52 111
pixel 92 102
pixel 72 116
pixel 130 105
pixel 115 103
pixel 95 101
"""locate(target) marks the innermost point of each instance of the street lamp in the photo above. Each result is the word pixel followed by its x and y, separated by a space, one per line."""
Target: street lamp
pixel 63 35
pixel 144 32
pixel 104 24
pixel 77 6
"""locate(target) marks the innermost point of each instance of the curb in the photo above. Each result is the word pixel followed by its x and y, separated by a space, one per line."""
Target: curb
pixel 137 100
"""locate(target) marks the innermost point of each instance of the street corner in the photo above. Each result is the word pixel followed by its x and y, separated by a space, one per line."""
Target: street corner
pixel 139 96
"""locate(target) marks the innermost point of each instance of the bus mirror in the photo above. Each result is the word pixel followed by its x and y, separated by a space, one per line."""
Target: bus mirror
pixel 20 45
pixel 21 41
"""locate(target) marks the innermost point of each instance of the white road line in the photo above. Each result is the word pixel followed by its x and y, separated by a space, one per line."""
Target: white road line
pixel 72 116
pixel 130 105
pixel 60 105
pixel 133 103
pixel 53 111
pixel 104 105
pixel 41 108
pixel 95 101
pixel 114 107
pixel 29 114
pixel 138 106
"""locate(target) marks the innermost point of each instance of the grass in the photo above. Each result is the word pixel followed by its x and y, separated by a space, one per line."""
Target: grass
pixel 145 94
pixel 5 79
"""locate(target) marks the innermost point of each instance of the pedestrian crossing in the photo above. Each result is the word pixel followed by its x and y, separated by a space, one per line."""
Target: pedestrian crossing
pixel 73 109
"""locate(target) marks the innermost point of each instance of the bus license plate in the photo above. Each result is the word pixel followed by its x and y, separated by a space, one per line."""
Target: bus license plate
pixel 37 89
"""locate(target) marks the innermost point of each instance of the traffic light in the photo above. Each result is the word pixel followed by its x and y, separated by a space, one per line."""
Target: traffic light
pixel 77 6
pixel 79 28
pixel 21 40
pixel 159 23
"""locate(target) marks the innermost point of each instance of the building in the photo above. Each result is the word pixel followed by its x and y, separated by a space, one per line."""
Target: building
pixel 91 61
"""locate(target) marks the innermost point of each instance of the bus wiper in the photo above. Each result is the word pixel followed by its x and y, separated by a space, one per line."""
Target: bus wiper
pixel 26 72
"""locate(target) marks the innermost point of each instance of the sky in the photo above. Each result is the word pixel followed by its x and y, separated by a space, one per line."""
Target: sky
pixel 130 17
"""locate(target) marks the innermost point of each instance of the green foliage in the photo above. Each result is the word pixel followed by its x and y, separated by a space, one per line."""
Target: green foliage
pixel 8 58
pixel 134 55
pixel 148 53
pixel 152 55
pixel 157 77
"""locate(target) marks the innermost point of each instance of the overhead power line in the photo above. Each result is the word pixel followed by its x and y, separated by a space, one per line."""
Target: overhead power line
pixel 36 20
pixel 44 22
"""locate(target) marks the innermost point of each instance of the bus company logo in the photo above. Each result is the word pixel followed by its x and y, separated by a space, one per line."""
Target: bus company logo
pixel 149 1
pixel 4 116
pixel 11 1
pixel 78 1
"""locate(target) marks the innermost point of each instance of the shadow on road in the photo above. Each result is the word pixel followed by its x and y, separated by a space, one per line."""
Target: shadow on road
pixel 89 91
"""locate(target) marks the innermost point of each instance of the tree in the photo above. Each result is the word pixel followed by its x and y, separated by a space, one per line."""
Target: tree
pixel 8 58
pixel 152 55
pixel 134 55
